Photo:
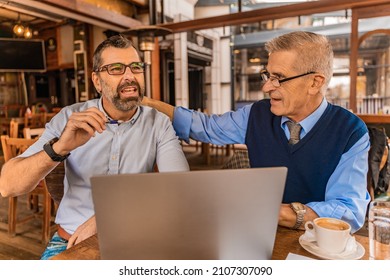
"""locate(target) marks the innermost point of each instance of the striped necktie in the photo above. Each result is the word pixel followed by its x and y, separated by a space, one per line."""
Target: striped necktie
pixel 295 130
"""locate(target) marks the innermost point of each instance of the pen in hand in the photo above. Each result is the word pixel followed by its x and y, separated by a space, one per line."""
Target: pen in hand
pixel 114 122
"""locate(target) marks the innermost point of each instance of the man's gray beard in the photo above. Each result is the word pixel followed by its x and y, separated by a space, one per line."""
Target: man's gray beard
pixel 126 104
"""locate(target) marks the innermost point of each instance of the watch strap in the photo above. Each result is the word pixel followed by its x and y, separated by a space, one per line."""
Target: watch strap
pixel 300 211
pixel 48 148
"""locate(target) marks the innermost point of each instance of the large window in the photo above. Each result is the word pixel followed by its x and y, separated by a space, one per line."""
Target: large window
pixel 373 81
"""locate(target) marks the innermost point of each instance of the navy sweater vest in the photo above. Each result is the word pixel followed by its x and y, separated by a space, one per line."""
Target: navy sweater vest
pixel 313 159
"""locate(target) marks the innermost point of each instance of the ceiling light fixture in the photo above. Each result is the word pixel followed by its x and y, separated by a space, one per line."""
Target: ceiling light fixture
pixel 18 27
pixel 27 33
pixel 56 14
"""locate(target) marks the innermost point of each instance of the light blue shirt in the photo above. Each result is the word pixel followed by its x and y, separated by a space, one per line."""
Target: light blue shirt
pixel 134 146
pixel 346 195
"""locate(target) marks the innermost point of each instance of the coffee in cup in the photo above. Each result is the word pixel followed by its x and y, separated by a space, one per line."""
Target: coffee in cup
pixel 331 234
pixel 332 224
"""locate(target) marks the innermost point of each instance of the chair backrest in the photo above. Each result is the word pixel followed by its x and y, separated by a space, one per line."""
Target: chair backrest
pixel 13 129
pixel 12 110
pixel 13 147
pixel 240 159
pixel 34 120
pixel 55 183
pixel 54 180
pixel 30 133
pixel 378 176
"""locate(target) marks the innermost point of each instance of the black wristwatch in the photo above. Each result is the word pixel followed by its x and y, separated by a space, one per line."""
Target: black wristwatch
pixel 48 148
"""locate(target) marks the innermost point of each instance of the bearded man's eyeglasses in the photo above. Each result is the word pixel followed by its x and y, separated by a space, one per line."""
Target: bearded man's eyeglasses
pixel 120 68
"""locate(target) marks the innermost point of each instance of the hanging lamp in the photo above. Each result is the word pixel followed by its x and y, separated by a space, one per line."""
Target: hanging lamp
pixel 18 27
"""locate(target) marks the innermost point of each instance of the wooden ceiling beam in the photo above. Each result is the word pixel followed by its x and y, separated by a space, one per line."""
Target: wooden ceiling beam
pixel 88 10
pixel 300 9
pixel 369 12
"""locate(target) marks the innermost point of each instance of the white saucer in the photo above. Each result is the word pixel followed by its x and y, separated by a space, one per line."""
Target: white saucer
pixel 357 254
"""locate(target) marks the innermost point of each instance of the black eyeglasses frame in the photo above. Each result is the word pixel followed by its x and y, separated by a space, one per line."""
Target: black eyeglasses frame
pixel 265 76
pixel 130 65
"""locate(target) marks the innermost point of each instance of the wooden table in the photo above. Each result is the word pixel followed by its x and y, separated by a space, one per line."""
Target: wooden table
pixel 286 242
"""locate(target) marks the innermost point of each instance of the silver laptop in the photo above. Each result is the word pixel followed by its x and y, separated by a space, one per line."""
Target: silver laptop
pixel 197 215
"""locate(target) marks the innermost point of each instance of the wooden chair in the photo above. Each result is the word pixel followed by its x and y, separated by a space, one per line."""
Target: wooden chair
pixel 31 133
pixel 11 126
pixel 13 129
pixel 34 120
pixel 378 161
pixel 55 183
pixel 55 179
pixel 240 159
pixel 12 110
pixel 11 148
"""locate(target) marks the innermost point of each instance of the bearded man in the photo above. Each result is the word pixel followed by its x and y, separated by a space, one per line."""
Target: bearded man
pixel 109 135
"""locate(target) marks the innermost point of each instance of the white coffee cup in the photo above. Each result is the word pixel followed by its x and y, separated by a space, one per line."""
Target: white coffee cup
pixel 331 234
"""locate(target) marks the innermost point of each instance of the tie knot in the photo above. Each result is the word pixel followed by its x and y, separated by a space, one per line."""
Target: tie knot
pixel 295 130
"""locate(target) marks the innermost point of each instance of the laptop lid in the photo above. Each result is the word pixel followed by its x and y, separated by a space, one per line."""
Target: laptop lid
pixel 195 215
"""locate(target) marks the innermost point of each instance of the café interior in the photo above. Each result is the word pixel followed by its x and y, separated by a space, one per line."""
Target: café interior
pixel 203 55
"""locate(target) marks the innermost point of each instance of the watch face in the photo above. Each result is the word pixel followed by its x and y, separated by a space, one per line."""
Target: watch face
pixel 297 206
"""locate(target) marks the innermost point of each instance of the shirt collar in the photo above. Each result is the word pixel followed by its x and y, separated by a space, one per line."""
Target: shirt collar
pixel 308 123
pixel 132 120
